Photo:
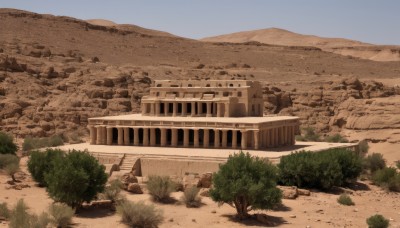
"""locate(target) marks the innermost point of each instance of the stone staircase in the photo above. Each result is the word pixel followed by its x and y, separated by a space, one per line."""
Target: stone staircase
pixel 128 163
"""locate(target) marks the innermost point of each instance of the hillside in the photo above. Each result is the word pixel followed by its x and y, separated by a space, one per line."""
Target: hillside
pixel 57 71
pixel 275 36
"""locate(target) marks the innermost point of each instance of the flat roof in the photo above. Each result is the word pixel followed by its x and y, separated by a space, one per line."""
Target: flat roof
pixel 249 120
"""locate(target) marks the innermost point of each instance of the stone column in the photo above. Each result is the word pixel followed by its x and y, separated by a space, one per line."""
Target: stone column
pixel 224 138
pixel 234 139
pixel 209 114
pixel 93 135
pixel 126 136
pixel 216 138
pixel 109 135
pixel 193 109
pixel 244 139
pixel 206 138
pixel 136 136
pixel 199 108
pixel 175 108
pixel 120 135
pixel 285 141
pixel 256 139
pixel 166 108
pixel 152 136
pixel 152 111
pixel 145 137
pixel 104 135
pixel 144 108
pixel 276 137
pixel 196 138
pixel 226 105
pixel 184 109
pixel 218 109
pixel 174 137
pixel 186 137
pixel 99 135
pixel 163 137
pixel 157 104
pixel 292 135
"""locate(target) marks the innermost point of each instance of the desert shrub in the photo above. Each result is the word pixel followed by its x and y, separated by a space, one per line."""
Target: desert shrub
pixel 160 187
pixel 113 191
pixel 61 215
pixel 336 138
pixel 345 199
pixel 246 183
pixel 387 178
pixel 19 217
pixel 41 162
pixel 39 221
pixel 398 164
pixel 191 198
pixel 377 221
pixel 75 178
pixel 374 162
pixel 11 170
pixel 321 170
pixel 363 147
pixel 6 159
pixel 309 134
pixel 139 214
pixel 7 145
pixel 4 211
pixel 31 143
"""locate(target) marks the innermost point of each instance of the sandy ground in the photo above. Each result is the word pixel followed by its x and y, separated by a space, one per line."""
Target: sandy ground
pixel 317 210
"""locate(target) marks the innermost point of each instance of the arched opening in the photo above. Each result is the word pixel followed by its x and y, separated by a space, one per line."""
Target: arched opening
pixel 169 136
pixel 180 137
pixel 191 137
pixel 114 135
pixel 162 108
pixel 131 132
pixel 229 138
pixel 212 137
pixel 158 137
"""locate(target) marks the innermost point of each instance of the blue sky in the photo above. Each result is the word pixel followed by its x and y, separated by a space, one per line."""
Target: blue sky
pixel 370 21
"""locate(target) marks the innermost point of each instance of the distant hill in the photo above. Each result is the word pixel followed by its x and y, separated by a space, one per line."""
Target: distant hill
pixel 276 36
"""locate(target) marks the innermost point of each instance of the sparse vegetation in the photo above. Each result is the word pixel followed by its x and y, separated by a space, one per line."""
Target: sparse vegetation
pixel 31 143
pixel 41 162
pixel 363 147
pixel 387 178
pixel 20 218
pixel 321 170
pixel 4 211
pixel 7 145
pixel 139 214
pixel 345 199
pixel 113 191
pixel 6 159
pixel 309 134
pixel 245 183
pixel 374 162
pixel 377 221
pixel 75 178
pixel 160 187
pixel 61 215
pixel 191 197
pixel 12 169
pixel 336 138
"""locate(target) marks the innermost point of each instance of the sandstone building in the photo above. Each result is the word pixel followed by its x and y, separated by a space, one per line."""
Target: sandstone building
pixel 199 114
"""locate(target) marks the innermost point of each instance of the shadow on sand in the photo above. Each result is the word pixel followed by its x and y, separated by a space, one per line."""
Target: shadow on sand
pixel 258 220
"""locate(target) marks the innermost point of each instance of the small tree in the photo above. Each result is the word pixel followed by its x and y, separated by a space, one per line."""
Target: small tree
pixel 245 183
pixel 7 145
pixel 76 178
pixel 41 162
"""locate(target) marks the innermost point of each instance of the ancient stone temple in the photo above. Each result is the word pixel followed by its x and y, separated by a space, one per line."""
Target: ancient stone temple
pixel 198 114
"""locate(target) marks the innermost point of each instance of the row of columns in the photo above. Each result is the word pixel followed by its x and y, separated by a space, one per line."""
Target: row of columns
pixel 255 139
pixel 196 109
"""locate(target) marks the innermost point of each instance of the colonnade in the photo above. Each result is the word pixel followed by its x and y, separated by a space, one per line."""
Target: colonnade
pixel 186 108
pixel 189 137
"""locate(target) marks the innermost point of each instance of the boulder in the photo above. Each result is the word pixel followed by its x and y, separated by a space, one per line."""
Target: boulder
pixel 303 192
pixel 289 192
pixel 205 180
pixel 128 178
pixel 134 188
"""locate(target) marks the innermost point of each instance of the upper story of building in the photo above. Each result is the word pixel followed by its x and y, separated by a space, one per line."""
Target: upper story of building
pixel 209 98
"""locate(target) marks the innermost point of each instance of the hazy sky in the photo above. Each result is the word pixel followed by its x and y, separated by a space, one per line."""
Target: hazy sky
pixel 373 21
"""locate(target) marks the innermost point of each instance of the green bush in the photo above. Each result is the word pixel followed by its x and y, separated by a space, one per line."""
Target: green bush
pixel 398 164
pixel 61 215
pixel 246 183
pixel 75 178
pixel 321 170
pixel 139 214
pixel 374 162
pixel 160 187
pixel 191 198
pixel 7 145
pixel 6 159
pixel 377 221
pixel 4 211
pixel 336 138
pixel 41 162
pixel 345 199
pixel 387 178
pixel 31 143
pixel 309 135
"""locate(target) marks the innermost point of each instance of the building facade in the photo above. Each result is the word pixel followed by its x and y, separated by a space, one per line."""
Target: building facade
pixel 199 114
